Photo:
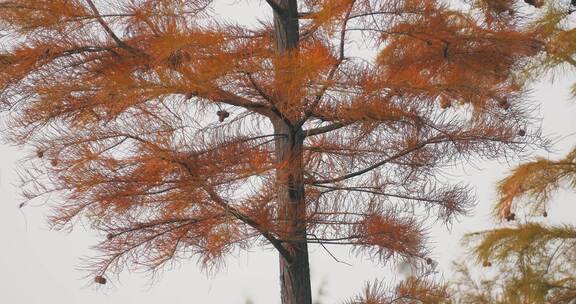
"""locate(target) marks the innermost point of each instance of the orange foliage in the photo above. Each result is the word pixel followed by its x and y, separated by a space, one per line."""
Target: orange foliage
pixel 126 105
pixel 442 52
pixel 390 235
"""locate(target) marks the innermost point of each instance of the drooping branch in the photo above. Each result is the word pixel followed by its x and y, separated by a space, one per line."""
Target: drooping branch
pixel 113 233
pixel 135 244
pixel 372 167
pixel 259 89
pixel 273 109
pixel 405 196
pixel 250 222
pixel 444 138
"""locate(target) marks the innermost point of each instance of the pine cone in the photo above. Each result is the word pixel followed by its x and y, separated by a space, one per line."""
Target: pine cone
pixel 100 280
pixel 222 115
pixel 511 217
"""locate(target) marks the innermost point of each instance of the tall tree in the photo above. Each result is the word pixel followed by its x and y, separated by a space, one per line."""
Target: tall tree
pixel 534 260
pixel 314 144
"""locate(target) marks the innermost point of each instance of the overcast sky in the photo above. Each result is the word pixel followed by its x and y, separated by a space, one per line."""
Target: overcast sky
pixel 41 266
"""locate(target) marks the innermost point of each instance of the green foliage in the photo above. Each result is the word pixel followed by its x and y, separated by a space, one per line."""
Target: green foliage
pixel 535 182
pixel 553 27
pixel 530 239
pixel 534 263
pixel 529 262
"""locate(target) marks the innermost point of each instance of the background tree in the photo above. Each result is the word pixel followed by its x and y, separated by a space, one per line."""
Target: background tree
pixel 314 144
pixel 411 290
pixel 535 260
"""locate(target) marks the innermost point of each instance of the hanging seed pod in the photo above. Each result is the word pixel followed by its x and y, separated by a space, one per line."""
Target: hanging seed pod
pixel 222 115
pixel 445 103
pixel 545 214
pixel 100 280
pixel 429 261
pixel 503 103
pixel 511 217
pixel 109 236
pixel 40 153
pixel 486 264
pixel 521 132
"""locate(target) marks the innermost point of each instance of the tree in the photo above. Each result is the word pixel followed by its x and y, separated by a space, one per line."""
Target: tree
pixel 411 290
pixel 313 144
pixel 535 260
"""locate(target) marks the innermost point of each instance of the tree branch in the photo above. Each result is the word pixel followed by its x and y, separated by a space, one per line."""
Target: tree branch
pixel 433 140
pixel 250 222
pixel 378 164
pixel 108 30
pixel 115 256
pixel 259 89
pixel 233 100
pixel 308 112
pixel 329 252
pixel 396 195
pixel 325 129
pixel 276 7
pixel 268 98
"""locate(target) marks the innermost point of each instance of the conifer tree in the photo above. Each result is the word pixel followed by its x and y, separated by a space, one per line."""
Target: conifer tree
pixel 534 260
pixel 179 135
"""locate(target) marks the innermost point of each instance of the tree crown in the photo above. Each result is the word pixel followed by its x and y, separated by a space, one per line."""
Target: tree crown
pixel 118 100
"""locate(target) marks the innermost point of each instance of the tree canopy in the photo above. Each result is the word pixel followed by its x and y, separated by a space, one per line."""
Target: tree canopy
pixel 177 134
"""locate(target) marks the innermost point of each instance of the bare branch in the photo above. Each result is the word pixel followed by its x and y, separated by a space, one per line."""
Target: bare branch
pixel 325 129
pixel 383 162
pixel 396 195
pixel 329 252
pixel 108 30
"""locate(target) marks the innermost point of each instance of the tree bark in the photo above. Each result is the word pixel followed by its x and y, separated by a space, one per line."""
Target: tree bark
pixel 286 27
pixel 295 271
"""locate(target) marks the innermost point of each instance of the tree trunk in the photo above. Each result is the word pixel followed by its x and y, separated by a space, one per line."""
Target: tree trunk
pixel 295 272
pixel 286 27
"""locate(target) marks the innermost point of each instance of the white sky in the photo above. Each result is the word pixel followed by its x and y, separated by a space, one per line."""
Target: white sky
pixel 41 266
